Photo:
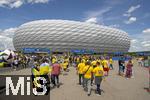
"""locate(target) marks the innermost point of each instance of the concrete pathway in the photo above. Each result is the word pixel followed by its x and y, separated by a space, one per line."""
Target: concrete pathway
pixel 115 87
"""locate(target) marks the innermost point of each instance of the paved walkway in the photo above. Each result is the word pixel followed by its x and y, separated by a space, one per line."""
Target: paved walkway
pixel 115 87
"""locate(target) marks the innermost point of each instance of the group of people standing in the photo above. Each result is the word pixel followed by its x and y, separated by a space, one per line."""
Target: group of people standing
pixel 125 69
pixel 90 69
pixel 20 61
pixel 93 70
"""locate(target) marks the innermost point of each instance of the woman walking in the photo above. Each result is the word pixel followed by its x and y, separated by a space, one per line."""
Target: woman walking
pixel 129 69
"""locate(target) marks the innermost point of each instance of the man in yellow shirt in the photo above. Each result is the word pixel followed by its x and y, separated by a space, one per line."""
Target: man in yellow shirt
pixel 67 61
pixel 98 73
pixel 80 71
pixel 105 66
pixel 111 63
pixel 64 65
pixel 98 60
pixel 87 71
pixel 93 63
pixel 54 60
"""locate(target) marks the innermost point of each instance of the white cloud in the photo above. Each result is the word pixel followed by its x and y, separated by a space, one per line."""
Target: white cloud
pixel 133 8
pixel 8 32
pixel 18 3
pixel 37 1
pixel 6 38
pixel 114 26
pixel 6 43
pixel 138 46
pixel 104 14
pixel 146 45
pixel 113 2
pixel 134 41
pixel 97 13
pixel 145 42
pixel 92 20
pixel 128 14
pixel 96 16
pixel 131 20
pixel 147 15
pixel 11 3
pixel 146 31
pixel 140 42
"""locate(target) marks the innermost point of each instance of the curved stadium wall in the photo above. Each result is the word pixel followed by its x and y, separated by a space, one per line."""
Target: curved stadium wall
pixel 64 35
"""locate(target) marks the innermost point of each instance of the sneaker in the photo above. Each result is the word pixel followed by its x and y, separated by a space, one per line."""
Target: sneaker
pixel 54 86
pixel 88 94
pixel 57 86
pixel 132 76
pixel 34 92
pixel 85 89
pixel 95 91
pixel 98 94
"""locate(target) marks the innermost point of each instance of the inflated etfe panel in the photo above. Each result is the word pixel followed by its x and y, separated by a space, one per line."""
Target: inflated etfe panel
pixel 64 35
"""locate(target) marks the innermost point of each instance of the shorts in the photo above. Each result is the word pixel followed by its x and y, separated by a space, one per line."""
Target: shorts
pixel 106 69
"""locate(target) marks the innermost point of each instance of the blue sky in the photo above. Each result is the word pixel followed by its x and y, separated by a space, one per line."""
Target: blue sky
pixel 132 16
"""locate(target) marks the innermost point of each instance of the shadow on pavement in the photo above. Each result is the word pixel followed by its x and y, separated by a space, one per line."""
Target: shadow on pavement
pixel 53 87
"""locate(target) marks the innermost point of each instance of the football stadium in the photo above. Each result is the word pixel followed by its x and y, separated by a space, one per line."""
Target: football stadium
pixel 74 50
pixel 65 36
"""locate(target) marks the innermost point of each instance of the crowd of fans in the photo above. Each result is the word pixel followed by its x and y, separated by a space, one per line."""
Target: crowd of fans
pixel 90 69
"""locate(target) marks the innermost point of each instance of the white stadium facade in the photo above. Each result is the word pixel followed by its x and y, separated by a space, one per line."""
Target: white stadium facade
pixel 65 35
